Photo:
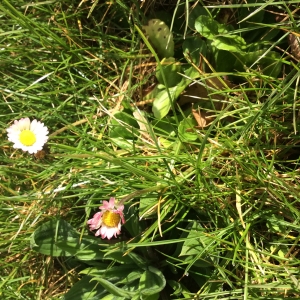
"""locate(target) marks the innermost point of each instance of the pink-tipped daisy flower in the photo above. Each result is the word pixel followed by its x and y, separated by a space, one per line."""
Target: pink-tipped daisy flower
pixel 28 136
pixel 108 221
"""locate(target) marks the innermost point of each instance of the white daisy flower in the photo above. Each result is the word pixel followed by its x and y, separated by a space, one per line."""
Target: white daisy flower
pixel 28 136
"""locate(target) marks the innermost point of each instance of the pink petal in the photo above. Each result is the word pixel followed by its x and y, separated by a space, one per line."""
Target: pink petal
pixel 108 205
pixel 112 202
pixel 95 222
pixel 103 230
pixel 105 205
pixel 122 219
pixel 120 208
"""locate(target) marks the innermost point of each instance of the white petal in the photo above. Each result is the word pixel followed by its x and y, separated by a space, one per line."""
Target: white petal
pixel 40 131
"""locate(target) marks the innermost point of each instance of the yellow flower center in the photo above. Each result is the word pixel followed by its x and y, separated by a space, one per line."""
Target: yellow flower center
pixel 27 137
pixel 111 219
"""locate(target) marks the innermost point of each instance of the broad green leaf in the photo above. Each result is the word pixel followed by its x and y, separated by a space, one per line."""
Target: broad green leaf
pixel 275 224
pixel 84 289
pixel 270 64
pixel 113 297
pixel 166 143
pixel 47 238
pixel 160 37
pixel 196 249
pixel 113 274
pixel 146 206
pixel 132 276
pixel 123 126
pixel 162 103
pixel 193 48
pixel 224 29
pixel 250 14
pixel 139 260
pixel 119 257
pixel 248 17
pixel 84 251
pixel 224 60
pixel 170 69
pixel 95 270
pixel 133 224
pixel 196 11
pixel 166 127
pixel 176 286
pixel 219 34
pixel 196 241
pixel 207 26
pixel 125 144
pixel 152 282
pixel 150 297
pixel 191 73
pixel 129 258
pixel 232 43
pixel 186 130
pixel 113 289
pixel 90 252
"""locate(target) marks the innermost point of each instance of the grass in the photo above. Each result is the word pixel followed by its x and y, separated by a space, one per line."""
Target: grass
pixel 213 211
